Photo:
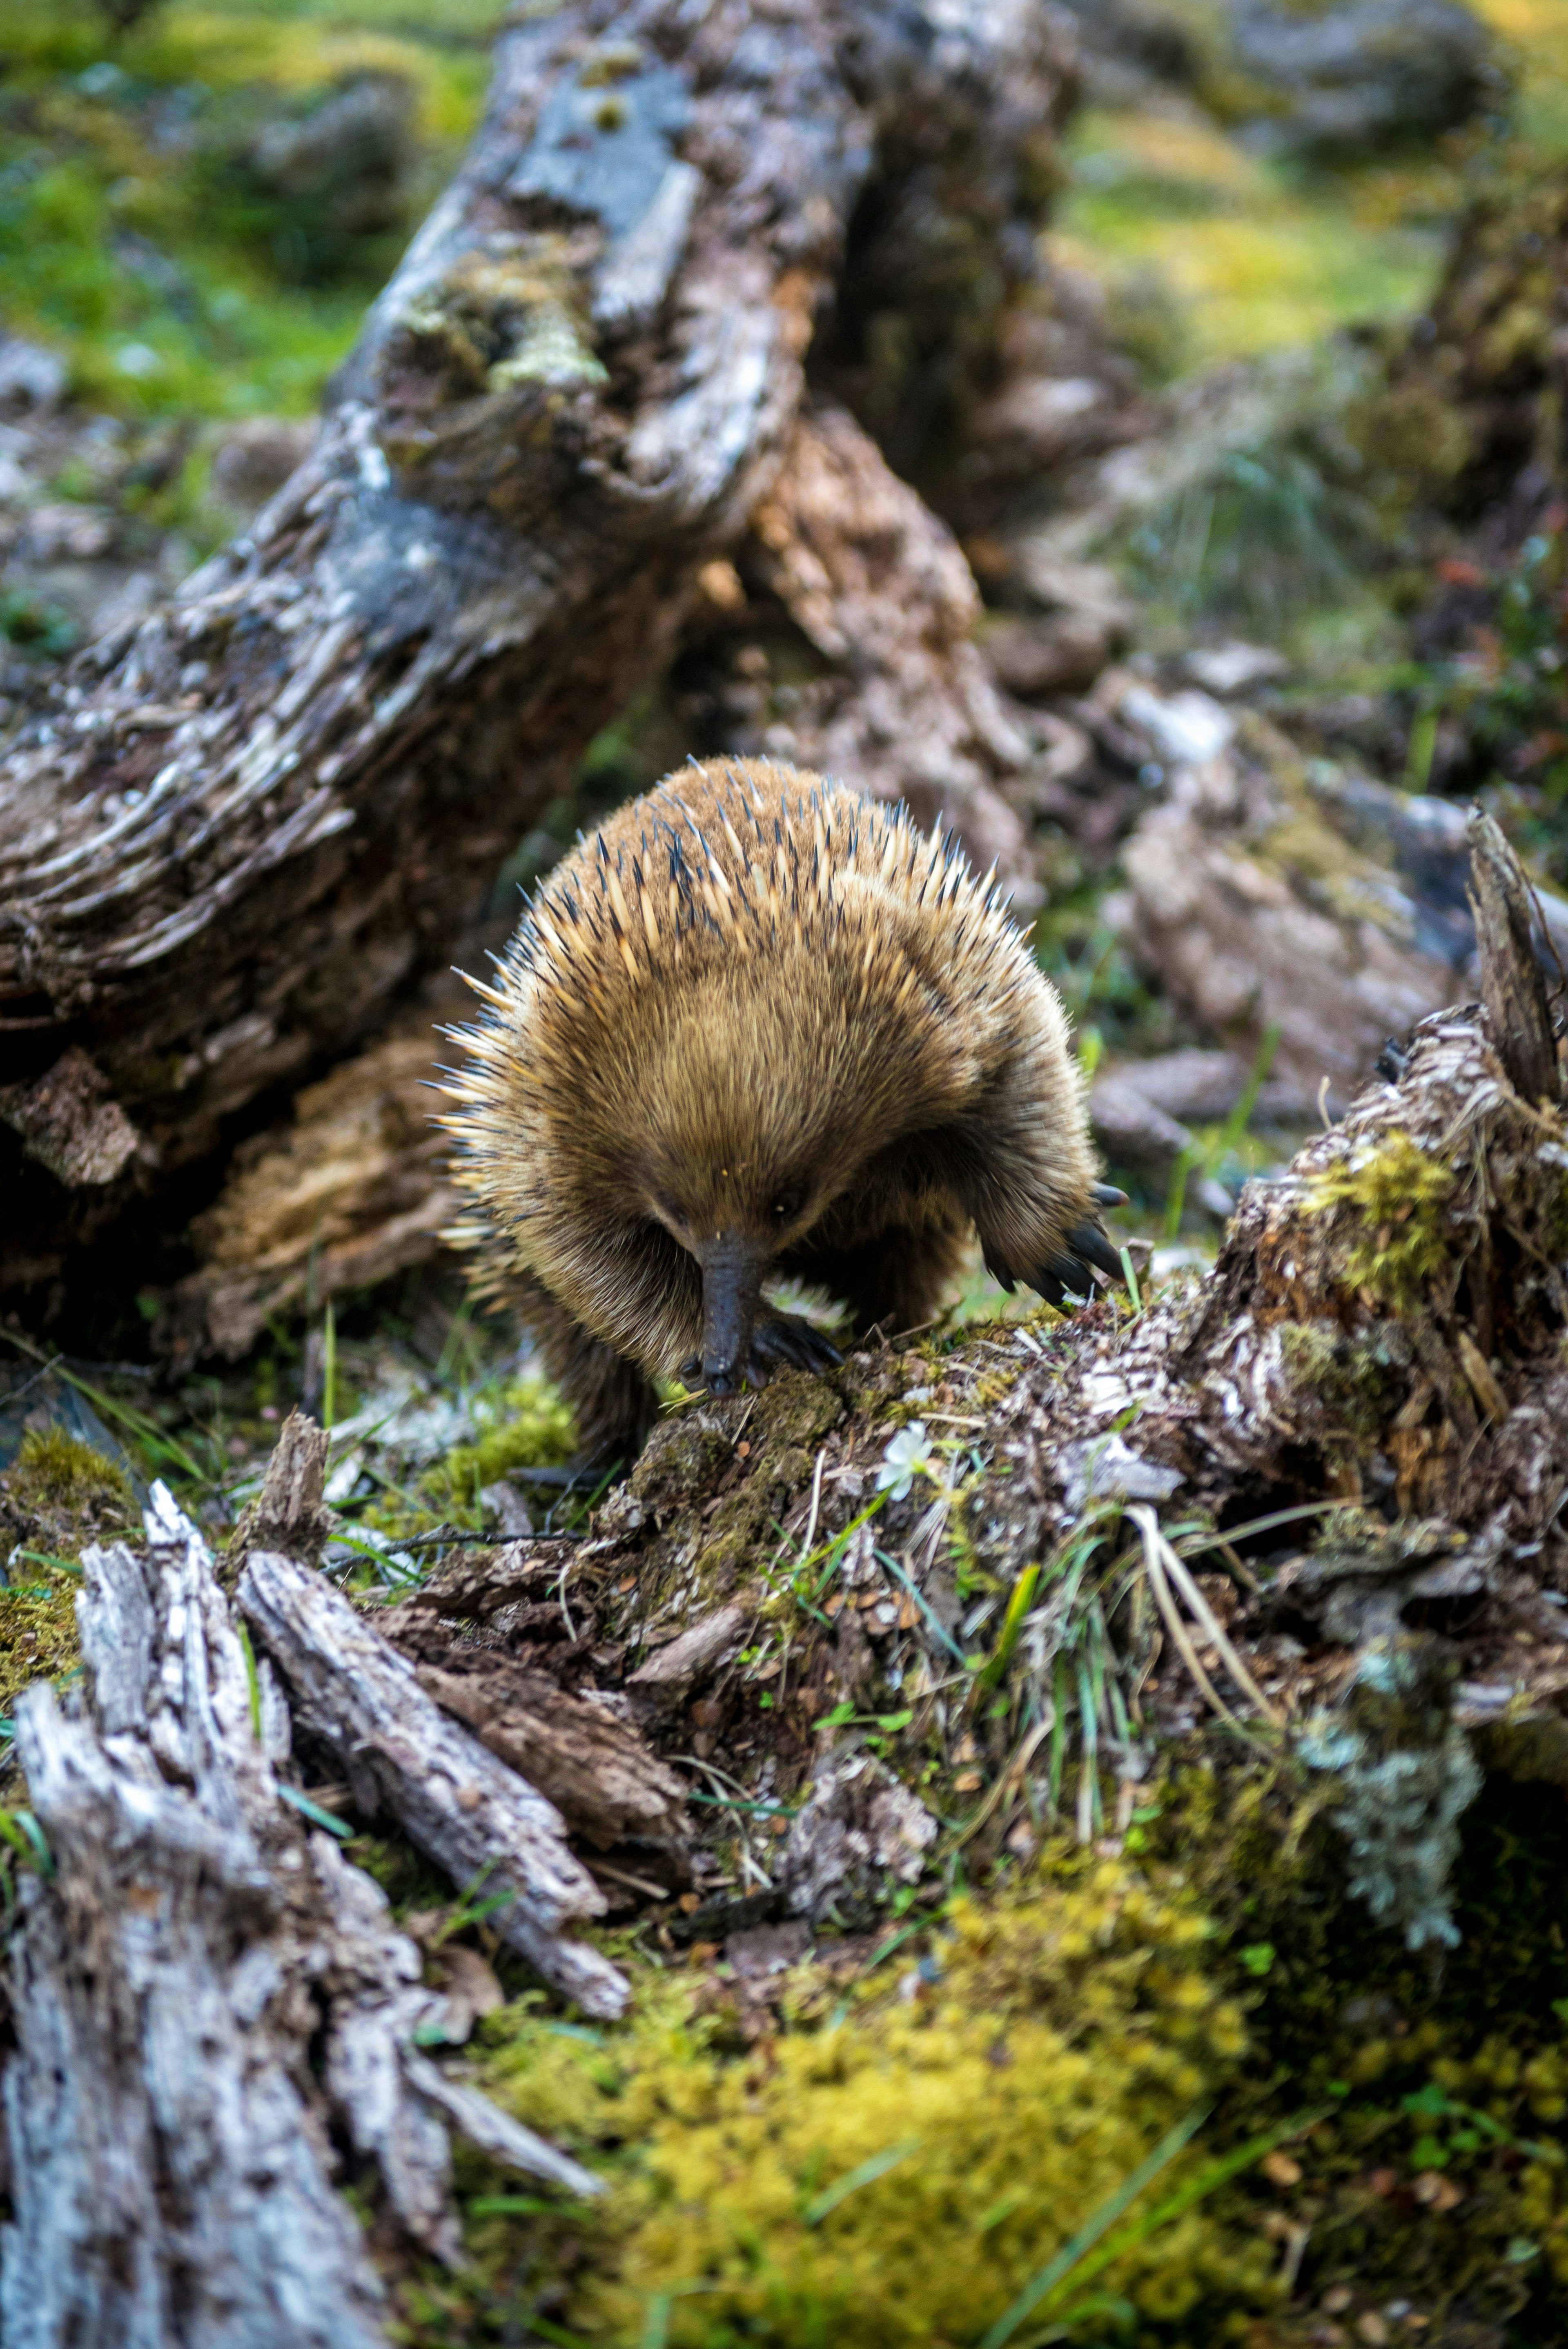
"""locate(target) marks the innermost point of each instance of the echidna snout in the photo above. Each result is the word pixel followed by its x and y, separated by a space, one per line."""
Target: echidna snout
pixel 732 1270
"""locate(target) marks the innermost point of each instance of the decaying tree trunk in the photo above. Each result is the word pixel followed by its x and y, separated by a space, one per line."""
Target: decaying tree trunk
pixel 178 1973
pixel 250 826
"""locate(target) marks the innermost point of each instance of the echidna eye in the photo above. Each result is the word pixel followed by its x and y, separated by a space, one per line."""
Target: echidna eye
pixel 787 1204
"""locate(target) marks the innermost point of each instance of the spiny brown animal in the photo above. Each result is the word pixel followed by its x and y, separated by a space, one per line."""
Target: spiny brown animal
pixel 759 1027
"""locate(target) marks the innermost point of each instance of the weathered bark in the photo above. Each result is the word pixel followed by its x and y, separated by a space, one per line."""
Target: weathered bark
pixel 1257 911
pixel 843 555
pixel 247 826
pixel 1330 909
pixel 350 1190
pixel 175 1975
pixel 402 1755
pixel 1512 982
pixel 289 1513
pixel 598 1774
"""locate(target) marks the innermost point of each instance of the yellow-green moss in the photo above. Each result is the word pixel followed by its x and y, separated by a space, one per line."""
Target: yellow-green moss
pixel 57 1495
pixel 38 1639
pixel 531 1428
pixel 1066 2031
pixel 1400 1193
pixel 56 1475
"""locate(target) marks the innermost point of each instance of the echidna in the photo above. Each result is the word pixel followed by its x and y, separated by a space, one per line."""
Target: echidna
pixel 758 1027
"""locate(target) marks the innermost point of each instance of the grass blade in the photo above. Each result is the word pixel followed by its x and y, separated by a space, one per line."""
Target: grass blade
pixel 1215 2173
pixel 253 1681
pixel 1018 1607
pixel 1058 2269
pixel 314 1812
pixel 817 2209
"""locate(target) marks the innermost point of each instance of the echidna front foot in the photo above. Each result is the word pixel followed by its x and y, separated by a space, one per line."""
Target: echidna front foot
pixel 1066 1276
pixel 789 1339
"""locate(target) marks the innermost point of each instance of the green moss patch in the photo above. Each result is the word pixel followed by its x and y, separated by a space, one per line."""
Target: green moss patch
pixel 529 1426
pixel 898 2172
pixel 1400 1193
pixel 57 1497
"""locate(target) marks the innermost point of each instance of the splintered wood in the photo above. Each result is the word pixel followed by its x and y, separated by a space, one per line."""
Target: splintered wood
pixel 171 2134
pixel 403 1754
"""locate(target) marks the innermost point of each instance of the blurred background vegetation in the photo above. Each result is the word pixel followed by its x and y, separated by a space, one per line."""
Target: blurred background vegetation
pixel 199 197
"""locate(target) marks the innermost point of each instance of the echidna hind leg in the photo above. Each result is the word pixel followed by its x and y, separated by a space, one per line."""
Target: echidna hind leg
pixel 612 1403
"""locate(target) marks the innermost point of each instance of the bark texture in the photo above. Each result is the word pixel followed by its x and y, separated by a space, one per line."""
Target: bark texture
pixel 1264 902
pixel 403 1756
pixel 205 1994
pixel 845 556
pixel 246 826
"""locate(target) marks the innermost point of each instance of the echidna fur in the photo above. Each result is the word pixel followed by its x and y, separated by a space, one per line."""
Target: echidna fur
pixel 760 1027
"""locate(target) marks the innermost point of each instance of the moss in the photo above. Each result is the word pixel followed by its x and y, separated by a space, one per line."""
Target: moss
pixel 38 1636
pixel 140 145
pixel 1363 1378
pixel 1399 1194
pixel 56 1474
pixel 500 319
pixel 57 1497
pixel 530 1427
pixel 1078 2019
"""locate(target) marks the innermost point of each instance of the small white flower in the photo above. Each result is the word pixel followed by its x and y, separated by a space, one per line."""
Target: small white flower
pixel 907 1457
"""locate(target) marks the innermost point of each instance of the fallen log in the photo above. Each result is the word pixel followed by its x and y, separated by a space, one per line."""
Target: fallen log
pixel 183 1951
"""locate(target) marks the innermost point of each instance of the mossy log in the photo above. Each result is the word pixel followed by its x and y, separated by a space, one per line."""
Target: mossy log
pixel 245 829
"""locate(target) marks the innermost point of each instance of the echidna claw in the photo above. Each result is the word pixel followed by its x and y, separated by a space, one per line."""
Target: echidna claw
pixel 789 1339
pixel 1063 1280
pixel 1089 1242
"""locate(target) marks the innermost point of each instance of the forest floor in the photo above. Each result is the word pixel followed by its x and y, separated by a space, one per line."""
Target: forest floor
pixel 942 2120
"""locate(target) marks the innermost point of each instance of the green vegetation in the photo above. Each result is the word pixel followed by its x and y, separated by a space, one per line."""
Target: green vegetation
pixel 864 2181
pixel 140 233
pixel 1400 1193
pixel 522 1424
pixel 1236 255
pixel 1211 252
pixel 1108 2105
pixel 57 1497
